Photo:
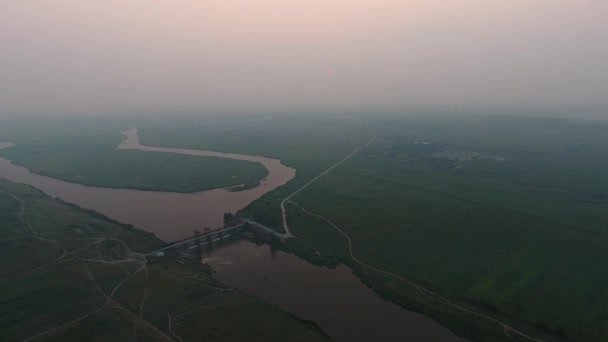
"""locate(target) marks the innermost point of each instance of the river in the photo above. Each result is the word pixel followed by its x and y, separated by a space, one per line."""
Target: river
pixel 334 299
pixel 170 216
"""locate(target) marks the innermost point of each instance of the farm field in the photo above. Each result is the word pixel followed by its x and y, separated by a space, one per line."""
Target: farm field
pixel 70 274
pixel 85 153
pixel 504 215
pixel 347 170
pixel 506 262
pixel 308 143
pixel 517 233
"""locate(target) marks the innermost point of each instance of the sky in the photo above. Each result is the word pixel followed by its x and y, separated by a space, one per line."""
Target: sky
pixel 75 56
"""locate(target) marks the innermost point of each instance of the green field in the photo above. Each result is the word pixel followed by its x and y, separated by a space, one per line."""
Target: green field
pixel 73 275
pixel 309 144
pixel 85 153
pixel 503 215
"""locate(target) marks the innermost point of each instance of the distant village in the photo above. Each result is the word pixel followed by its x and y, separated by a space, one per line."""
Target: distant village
pixel 436 155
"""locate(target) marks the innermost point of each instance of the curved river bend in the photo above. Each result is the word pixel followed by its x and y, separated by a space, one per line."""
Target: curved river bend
pixel 335 299
pixel 170 216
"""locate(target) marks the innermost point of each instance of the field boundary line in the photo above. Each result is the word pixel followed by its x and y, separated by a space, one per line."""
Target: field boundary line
pixel 50 331
pixel 83 261
pixel 422 290
pixel 287 233
pixel 413 228
pixel 560 225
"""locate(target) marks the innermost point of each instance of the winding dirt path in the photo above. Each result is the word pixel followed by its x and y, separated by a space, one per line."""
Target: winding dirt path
pixel 170 319
pixel 22 212
pixel 66 325
pixel 139 258
pixel 287 233
pixel 507 329
pixel 422 290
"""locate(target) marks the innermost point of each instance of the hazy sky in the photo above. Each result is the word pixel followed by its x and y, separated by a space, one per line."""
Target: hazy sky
pixel 167 55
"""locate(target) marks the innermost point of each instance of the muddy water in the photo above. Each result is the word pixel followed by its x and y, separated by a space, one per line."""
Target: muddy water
pixel 170 216
pixel 335 299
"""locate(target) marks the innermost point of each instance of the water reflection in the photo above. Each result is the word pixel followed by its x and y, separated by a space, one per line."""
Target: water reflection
pixel 334 299
pixel 171 216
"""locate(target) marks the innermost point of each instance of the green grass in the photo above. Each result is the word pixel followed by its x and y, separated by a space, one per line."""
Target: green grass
pixel 309 144
pixel 109 324
pixel 20 255
pixel 129 169
pixel 44 299
pixel 196 299
pixel 86 154
pixel 44 288
pixel 497 237
pixel 517 231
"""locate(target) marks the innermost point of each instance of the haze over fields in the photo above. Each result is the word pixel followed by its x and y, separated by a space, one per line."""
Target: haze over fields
pixel 304 170
pixel 73 56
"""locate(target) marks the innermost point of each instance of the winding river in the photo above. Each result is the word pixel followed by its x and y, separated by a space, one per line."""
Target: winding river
pixel 335 299
pixel 170 216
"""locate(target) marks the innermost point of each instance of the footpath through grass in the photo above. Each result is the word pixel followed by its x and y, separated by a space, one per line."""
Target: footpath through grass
pixel 74 275
pixel 481 226
pixel 505 215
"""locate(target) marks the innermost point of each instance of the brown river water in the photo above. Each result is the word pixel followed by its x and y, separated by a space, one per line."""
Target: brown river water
pixel 334 299
pixel 170 216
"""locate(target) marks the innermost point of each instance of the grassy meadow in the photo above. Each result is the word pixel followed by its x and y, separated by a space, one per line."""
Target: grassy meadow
pixel 69 274
pixel 84 153
pixel 309 144
pixel 513 224
pixel 504 215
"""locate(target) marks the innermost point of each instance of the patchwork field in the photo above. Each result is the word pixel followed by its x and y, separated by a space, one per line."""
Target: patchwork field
pixel 85 153
pixel 503 215
pixel 489 233
pixel 513 264
pixel 73 275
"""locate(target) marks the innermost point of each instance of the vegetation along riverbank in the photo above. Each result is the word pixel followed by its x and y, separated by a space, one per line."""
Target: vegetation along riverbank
pixel 460 209
pixel 457 206
pixel 80 273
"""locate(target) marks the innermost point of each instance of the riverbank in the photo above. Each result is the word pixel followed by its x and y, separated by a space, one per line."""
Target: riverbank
pixel 112 199
pixel 334 298
pixel 103 286
pixel 277 239
pixel 470 217
pixel 481 325
pixel 102 165
pixel 463 228
pixel 177 214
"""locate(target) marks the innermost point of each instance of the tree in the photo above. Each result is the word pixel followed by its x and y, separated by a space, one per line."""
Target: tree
pixel 228 217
